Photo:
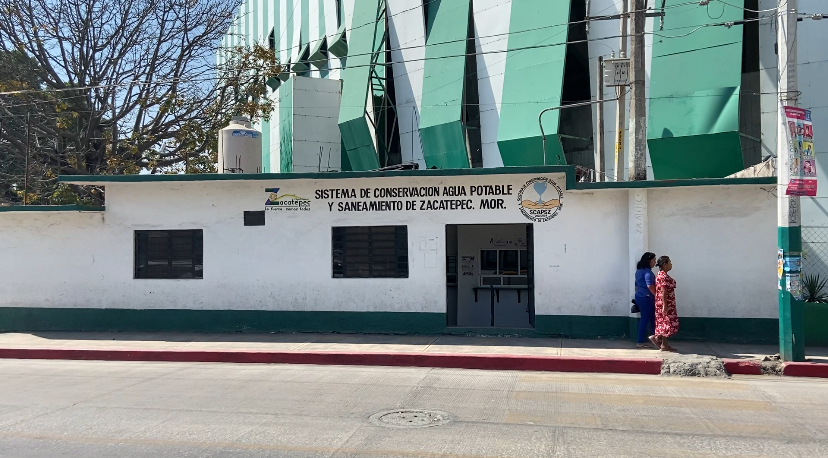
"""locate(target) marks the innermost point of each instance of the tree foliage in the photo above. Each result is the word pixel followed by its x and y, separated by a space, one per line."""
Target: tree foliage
pixel 117 87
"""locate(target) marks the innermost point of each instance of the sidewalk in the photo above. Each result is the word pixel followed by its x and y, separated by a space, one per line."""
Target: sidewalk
pixel 551 354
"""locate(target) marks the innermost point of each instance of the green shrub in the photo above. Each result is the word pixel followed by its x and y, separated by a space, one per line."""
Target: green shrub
pixel 814 289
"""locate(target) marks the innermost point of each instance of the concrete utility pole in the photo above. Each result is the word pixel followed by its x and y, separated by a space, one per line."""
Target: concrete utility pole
pixel 622 101
pixel 600 153
pixel 638 106
pixel 789 231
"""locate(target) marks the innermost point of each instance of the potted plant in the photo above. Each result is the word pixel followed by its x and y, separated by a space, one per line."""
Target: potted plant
pixel 815 294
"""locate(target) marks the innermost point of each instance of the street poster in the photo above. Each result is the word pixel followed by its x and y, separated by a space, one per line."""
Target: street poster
pixel 793 283
pixel 800 140
pixel 780 267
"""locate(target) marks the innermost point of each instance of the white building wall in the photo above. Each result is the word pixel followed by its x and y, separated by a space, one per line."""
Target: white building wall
pixel 283 52
pixel 285 8
pixel 262 28
pixel 581 260
pixel 349 13
pixel 244 21
pixel 66 263
pixel 406 30
pixel 491 28
pixel 331 28
pixel 720 238
pixel 275 135
pixel 295 33
pixel 316 140
pixel 314 33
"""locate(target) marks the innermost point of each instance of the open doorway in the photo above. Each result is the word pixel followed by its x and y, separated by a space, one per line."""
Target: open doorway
pixel 489 276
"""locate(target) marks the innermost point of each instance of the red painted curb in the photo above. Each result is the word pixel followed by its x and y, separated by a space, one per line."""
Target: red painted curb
pixel 805 370
pixel 742 367
pixel 442 360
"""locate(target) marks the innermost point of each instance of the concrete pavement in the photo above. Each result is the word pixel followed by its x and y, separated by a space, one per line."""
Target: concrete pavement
pixel 377 343
pixel 150 409
pixel 502 352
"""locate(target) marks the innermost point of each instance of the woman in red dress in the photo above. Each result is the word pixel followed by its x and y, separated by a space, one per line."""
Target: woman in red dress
pixel 667 324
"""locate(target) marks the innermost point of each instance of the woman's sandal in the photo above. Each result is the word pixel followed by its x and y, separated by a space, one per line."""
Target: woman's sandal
pixel 654 340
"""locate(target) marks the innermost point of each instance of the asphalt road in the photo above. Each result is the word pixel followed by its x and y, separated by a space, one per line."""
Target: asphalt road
pixel 108 409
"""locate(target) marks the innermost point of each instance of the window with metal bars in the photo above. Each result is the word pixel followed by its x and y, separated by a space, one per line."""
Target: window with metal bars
pixel 169 254
pixel 370 252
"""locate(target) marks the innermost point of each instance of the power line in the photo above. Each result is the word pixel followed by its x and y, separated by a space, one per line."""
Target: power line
pixel 538 102
pixel 171 80
pixel 707 3
pixel 384 64
pixel 352 28
pixel 498 51
pixel 562 24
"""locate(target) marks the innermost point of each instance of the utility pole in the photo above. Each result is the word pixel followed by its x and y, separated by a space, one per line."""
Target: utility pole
pixel 638 106
pixel 26 173
pixel 600 154
pixel 622 101
pixel 789 231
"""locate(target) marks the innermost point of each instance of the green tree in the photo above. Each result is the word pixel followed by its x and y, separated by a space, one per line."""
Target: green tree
pixel 116 87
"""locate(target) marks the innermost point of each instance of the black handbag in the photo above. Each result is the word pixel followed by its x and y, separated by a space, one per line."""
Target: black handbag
pixel 634 308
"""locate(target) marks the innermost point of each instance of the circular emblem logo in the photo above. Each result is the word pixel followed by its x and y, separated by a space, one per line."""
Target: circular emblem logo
pixel 540 199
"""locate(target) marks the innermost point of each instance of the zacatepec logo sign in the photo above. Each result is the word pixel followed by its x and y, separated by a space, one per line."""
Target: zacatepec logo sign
pixel 285 202
pixel 540 199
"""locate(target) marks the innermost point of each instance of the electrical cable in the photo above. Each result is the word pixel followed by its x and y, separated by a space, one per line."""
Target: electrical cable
pixel 785 3
pixel 711 17
pixel 339 68
pixel 569 23
pixel 171 80
pixel 12 115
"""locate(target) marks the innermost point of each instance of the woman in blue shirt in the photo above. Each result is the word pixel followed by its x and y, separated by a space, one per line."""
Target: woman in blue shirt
pixel 645 297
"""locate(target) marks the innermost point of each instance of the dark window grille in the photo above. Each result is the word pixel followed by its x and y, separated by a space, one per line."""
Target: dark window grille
pixel 451 270
pixel 169 254
pixel 370 252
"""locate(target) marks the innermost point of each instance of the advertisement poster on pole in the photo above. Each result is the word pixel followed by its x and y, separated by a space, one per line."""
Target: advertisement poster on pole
pixel 780 267
pixel 800 140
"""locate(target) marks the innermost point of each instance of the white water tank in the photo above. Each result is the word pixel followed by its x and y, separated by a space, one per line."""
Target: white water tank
pixel 239 147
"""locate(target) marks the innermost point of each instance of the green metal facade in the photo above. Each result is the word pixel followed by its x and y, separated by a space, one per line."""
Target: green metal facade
pixel 286 126
pixel 266 147
pixel 695 85
pixel 693 125
pixel 441 126
pixel 533 81
pixel 353 125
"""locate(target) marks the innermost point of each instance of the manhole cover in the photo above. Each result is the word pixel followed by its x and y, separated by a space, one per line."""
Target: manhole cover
pixel 409 418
